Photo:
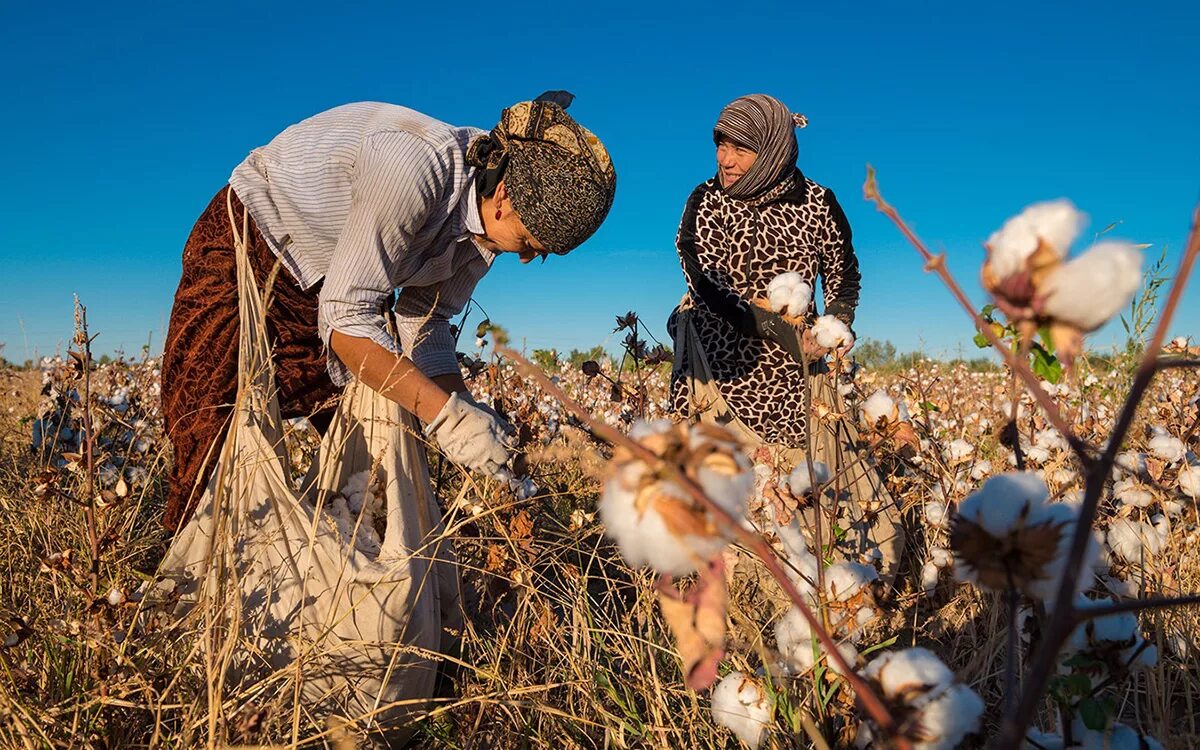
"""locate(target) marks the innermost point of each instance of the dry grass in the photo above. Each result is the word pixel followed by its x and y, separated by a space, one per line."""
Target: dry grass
pixel 564 645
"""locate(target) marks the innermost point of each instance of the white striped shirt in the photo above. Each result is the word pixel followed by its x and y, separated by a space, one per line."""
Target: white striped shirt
pixel 373 197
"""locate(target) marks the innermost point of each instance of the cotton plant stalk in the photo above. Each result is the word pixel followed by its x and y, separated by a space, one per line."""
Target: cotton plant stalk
pixel 731 526
pixel 1066 615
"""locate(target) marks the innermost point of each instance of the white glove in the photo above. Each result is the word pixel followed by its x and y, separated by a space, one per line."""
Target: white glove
pixel 471 435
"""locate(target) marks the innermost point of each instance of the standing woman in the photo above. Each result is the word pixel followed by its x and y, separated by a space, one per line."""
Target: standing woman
pixel 346 208
pixel 737 364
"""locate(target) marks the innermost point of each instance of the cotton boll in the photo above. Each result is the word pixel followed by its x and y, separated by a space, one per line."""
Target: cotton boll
pixel 1131 540
pixel 1051 439
pixel 740 705
pixel 1167 447
pixel 981 469
pixel 936 515
pixel 654 521
pixel 929 577
pixel 879 406
pixel 796 643
pixel 1088 290
pixel 903 673
pixel 958 451
pixel 949 718
pixel 1131 492
pixel 116 597
pixel 844 581
pixel 1038 740
pixel 1055 223
pixel 1129 462
pixel 941 557
pixel 831 333
pixel 1119 737
pixel 1038 454
pixel 1189 481
pixel 800 481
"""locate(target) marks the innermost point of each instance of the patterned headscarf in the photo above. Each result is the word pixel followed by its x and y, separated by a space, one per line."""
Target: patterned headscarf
pixel 557 173
pixel 762 123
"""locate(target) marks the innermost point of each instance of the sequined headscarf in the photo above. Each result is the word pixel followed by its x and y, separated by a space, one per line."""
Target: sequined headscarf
pixel 557 173
pixel 762 123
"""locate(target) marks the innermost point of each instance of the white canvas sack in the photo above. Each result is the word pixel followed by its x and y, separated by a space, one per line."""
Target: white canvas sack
pixel 288 610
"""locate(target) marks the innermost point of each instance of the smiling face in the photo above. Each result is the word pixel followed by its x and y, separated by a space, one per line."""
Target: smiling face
pixel 733 160
pixel 503 230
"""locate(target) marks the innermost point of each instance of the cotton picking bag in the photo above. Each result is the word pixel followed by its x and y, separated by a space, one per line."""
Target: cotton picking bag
pixel 287 609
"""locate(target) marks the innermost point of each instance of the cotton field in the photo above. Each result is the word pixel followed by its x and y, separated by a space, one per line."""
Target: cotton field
pixel 565 636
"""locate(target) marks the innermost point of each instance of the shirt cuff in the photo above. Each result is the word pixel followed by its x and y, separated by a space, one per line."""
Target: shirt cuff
pixel 371 326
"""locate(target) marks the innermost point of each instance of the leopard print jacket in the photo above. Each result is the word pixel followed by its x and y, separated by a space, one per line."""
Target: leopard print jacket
pixel 741 246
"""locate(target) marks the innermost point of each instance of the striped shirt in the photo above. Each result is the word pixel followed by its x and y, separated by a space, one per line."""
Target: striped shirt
pixel 371 198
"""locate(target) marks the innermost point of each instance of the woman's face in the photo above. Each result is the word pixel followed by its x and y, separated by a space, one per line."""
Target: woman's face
pixel 507 233
pixel 733 161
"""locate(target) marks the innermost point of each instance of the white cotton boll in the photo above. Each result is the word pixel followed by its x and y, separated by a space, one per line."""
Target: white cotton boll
pixel 1132 540
pixel 899 672
pixel 1131 492
pixel 936 515
pixel 740 705
pixel 929 577
pixel 1051 439
pixel 1003 500
pixel 877 406
pixel 800 481
pixel 949 718
pixel 1038 454
pixel 1057 223
pixel 1173 508
pixel 1088 290
pixel 642 536
pixel 788 294
pixel 116 597
pixel 1167 447
pixel 632 495
pixel 845 580
pixel 831 333
pixel 1129 462
pixel 801 650
pixel 1189 481
pixel 959 450
pixel 941 557
pixel 981 469
pixel 1046 588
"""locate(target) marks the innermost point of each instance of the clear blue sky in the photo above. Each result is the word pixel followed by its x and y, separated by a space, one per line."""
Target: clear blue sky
pixel 124 118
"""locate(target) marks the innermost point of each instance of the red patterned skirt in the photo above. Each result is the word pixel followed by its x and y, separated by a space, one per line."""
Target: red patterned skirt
pixel 200 357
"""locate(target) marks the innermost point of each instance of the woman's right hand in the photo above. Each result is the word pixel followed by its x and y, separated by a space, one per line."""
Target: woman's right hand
pixel 812 349
pixel 472 435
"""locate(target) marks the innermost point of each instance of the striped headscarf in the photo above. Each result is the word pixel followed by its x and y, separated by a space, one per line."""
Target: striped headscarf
pixel 764 124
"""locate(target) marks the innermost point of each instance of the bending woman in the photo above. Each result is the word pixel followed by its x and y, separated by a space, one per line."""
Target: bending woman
pixel 356 203
pixel 740 365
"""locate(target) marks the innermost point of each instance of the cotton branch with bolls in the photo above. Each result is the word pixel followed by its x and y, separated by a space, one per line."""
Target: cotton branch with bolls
pixel 1027 273
pixel 671 474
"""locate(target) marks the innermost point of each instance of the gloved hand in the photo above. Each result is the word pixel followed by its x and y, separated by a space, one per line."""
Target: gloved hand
pixel 769 325
pixel 472 435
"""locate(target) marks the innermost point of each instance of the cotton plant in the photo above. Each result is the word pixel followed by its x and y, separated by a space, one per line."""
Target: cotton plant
pixel 1032 280
pixel 740 704
pixel 1007 535
pixel 932 709
pixel 652 518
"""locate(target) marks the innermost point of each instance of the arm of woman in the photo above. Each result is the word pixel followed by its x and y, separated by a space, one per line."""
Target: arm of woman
pixel 840 277
pixel 749 320
pixel 392 375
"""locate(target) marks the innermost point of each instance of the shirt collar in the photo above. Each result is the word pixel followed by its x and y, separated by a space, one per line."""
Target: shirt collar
pixel 469 222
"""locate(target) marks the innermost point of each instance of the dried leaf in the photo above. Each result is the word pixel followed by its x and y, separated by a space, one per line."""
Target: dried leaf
pixel 520 528
pixel 697 620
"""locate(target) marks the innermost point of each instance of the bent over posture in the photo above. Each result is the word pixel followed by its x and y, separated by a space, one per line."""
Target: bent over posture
pixel 346 208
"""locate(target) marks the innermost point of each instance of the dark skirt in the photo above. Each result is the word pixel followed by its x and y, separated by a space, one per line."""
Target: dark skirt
pixel 200 357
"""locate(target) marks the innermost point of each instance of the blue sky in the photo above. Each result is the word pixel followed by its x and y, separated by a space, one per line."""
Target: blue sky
pixel 124 119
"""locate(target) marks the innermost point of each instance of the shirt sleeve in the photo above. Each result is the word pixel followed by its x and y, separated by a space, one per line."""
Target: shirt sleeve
pixel 423 318
pixel 840 278
pixel 397 181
